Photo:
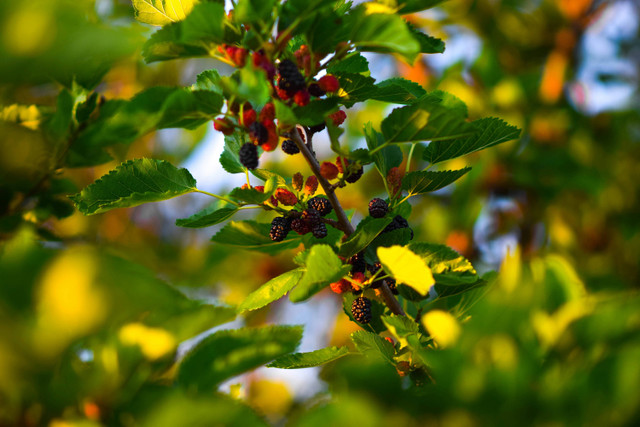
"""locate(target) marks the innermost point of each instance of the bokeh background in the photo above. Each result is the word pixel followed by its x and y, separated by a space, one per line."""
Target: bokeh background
pixel 565 198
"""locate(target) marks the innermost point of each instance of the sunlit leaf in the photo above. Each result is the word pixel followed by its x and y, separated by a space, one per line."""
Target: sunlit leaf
pixel 133 183
pixel 272 290
pixel 309 360
pixel 407 267
pixel 162 12
pixel 322 267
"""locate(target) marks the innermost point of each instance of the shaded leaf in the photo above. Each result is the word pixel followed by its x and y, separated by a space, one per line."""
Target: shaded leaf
pixel 426 119
pixel 491 131
pixel 398 91
pixel 252 235
pixel 365 232
pixel 228 353
pixel 420 182
pixel 309 360
pixel 354 63
pixel 209 216
pixel 133 183
pixel 448 266
pixel 382 32
pixel 372 345
pixel 386 158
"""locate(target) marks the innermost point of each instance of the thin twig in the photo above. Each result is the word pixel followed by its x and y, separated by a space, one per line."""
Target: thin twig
pixel 343 221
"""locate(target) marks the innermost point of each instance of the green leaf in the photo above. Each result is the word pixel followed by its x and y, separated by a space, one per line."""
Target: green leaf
pixel 322 267
pixel 358 88
pixel 273 290
pixel 249 195
pixel 428 44
pixel 162 12
pixel 406 267
pixel 208 80
pixel 382 32
pixel 410 6
pixel 366 231
pixel 266 175
pixel 284 114
pixel 228 353
pixel 400 327
pixel 398 91
pixel 248 84
pixel 59 124
pixel 374 346
pixel 180 408
pixel 448 266
pixel 420 182
pixel 427 119
pixel 133 183
pixel 209 216
pixel 309 360
pixel 316 111
pixel 196 319
pixel 229 158
pixel 251 11
pixel 354 63
pixel 193 36
pixel 122 122
pixel 491 131
pixel 386 158
pixel 252 235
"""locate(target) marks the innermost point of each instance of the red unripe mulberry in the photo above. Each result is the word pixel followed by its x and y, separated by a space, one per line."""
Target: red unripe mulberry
pixel 301 97
pixel 286 197
pixel 311 185
pixel 329 83
pixel 248 117
pixel 268 112
pixel 328 170
pixel 341 286
pixel 224 125
pixel 338 117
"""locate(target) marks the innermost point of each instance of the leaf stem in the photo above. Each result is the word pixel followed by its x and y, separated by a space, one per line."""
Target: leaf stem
pixel 196 190
pixel 409 156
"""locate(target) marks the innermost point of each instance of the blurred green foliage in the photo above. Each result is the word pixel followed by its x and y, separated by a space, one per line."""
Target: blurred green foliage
pixel 89 337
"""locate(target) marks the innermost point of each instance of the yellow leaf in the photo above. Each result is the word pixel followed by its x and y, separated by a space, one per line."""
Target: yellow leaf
pixel 162 12
pixel 407 267
pixel 442 327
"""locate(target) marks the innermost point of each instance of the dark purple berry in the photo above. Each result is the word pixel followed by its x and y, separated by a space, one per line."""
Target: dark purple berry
pixel 280 227
pixel 361 310
pixel 321 204
pixel 290 147
pixel 378 208
pixel 391 283
pixel 258 133
pixel 248 156
pixel 311 215
pixel 354 174
pixel 316 90
pixel 398 223
pixel 291 80
pixel 300 226
pixel 319 230
pixel 358 264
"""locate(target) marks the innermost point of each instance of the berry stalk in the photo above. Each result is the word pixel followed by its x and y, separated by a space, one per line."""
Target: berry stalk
pixel 343 222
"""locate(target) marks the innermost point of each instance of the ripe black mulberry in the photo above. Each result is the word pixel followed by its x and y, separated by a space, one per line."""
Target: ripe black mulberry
pixel 289 146
pixel 319 230
pixel 378 208
pixel 361 310
pixel 280 227
pixel 291 80
pixel 248 155
pixel 321 204
pixel 354 174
